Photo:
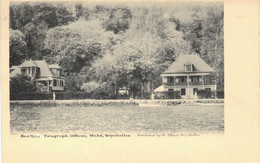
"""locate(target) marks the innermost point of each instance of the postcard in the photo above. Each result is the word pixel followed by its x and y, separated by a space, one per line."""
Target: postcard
pixel 130 81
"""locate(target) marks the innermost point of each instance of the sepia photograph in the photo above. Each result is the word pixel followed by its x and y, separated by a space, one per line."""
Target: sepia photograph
pixel 116 67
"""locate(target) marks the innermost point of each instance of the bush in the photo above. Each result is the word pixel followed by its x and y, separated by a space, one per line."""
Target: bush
pixel 30 96
pixel 205 94
pixel 49 96
pixel 89 87
pixel 220 94
pixel 122 96
pixel 167 95
pixel 41 87
pixel 21 84
pixel 73 95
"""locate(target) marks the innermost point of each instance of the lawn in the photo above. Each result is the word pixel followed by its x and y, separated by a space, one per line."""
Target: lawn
pixel 180 118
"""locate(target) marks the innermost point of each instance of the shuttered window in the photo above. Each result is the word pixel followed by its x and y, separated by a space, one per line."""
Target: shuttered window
pixel 188 68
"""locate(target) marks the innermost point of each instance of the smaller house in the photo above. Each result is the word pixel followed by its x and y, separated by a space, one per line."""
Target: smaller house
pixel 41 72
pixel 187 74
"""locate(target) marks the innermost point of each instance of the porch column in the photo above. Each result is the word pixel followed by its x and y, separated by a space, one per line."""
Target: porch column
pixel 30 71
pixel 203 85
pixel 174 83
pixel 188 82
pixel 48 86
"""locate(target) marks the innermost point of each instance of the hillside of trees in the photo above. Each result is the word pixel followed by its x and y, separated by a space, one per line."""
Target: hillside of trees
pixel 107 46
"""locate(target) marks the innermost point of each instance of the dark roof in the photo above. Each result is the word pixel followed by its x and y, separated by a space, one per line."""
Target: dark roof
pixel 178 65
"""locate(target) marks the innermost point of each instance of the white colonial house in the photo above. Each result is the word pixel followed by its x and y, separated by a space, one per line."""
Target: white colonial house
pixel 41 72
pixel 187 74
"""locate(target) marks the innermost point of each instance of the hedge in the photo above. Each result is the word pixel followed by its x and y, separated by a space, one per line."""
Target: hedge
pixel 167 95
pixel 51 103
pixel 204 94
pixel 49 96
pixel 64 96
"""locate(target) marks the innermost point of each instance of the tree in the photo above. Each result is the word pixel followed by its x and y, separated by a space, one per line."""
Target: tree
pixel 120 19
pixel 45 12
pixel 74 82
pixel 77 45
pixel 102 13
pixel 34 37
pixel 79 10
pixel 20 15
pixel 17 47
pixel 212 49
pixel 64 16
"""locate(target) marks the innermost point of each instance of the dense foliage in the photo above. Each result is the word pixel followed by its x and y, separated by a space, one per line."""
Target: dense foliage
pixel 21 84
pixel 111 46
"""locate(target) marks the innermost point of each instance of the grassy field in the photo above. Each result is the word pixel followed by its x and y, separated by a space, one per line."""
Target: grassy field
pixel 180 118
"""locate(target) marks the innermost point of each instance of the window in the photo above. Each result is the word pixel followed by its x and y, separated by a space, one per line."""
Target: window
pixel 195 90
pixel 183 91
pixel 183 79
pixel 207 89
pixel 34 71
pixel 23 70
pixel 188 68
pixel 170 90
pixel 54 82
pixel 195 79
pixel 164 79
pixel 61 83
pixel 169 79
pixel 37 72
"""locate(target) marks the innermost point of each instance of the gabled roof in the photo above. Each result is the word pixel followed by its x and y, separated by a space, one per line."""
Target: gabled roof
pixel 178 65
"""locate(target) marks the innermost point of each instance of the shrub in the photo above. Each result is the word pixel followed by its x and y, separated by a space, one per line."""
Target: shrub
pixel 220 94
pixel 49 96
pixel 41 87
pixel 31 96
pixel 105 91
pixel 203 93
pixel 167 95
pixel 72 95
pixel 89 87
pixel 21 84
